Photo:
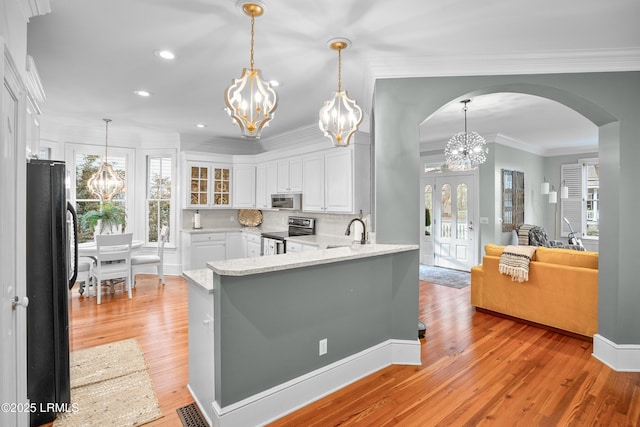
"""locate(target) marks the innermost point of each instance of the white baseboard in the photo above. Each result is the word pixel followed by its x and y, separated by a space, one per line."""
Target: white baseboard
pixel 278 401
pixel 199 405
pixel 620 357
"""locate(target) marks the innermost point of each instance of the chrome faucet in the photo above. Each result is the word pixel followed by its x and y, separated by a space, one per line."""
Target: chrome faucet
pixel 363 239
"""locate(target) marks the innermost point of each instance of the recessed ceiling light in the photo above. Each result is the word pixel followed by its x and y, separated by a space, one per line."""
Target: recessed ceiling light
pixel 274 83
pixel 201 125
pixel 164 54
pixel 143 93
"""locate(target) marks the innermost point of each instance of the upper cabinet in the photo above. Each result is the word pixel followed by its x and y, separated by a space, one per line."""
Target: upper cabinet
pixel 266 184
pixel 337 180
pixel 208 185
pixel 290 175
pixel 244 186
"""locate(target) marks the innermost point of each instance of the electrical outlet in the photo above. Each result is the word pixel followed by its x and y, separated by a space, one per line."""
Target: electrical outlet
pixel 322 346
pixel 231 218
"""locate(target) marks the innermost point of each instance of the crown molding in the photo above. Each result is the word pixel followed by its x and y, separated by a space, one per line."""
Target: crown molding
pixel 506 63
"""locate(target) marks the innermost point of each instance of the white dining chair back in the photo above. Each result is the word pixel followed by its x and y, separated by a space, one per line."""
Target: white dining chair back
pixel 152 260
pixel 113 260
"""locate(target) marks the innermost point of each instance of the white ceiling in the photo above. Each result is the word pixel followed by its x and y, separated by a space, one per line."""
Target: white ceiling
pixel 91 56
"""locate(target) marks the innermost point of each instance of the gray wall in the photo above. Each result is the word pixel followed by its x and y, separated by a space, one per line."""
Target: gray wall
pixel 267 326
pixel 609 100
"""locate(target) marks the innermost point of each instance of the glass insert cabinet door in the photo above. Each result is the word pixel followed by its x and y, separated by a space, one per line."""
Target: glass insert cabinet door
pixel 209 185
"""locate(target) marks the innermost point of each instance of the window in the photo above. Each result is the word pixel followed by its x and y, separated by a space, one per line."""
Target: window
pixel 428 209
pixel 86 164
pixel 159 191
pixel 582 207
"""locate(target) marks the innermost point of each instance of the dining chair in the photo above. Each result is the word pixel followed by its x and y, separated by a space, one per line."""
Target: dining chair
pixel 85 271
pixel 152 260
pixel 113 260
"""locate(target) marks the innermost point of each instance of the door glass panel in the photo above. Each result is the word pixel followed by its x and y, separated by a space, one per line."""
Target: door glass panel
pixel 461 209
pixel 445 212
pixel 428 208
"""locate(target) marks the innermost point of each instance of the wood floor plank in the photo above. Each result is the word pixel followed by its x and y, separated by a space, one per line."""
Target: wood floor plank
pixel 480 369
pixel 477 369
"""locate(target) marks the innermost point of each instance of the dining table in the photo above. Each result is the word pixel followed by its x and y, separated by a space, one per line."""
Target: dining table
pixel 90 250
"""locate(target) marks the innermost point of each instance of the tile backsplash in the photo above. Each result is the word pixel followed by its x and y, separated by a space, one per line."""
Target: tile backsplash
pixel 327 224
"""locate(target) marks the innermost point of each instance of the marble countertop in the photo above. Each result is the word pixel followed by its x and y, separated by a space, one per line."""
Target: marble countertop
pixel 265 264
pixel 321 241
pixel 202 277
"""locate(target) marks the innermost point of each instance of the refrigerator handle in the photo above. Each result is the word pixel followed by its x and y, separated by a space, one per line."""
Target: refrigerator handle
pixel 72 280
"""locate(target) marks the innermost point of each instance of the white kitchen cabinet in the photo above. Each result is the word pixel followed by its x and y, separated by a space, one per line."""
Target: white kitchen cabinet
pixel 266 184
pixel 294 247
pixel 236 245
pixel 244 186
pixel 313 183
pixel 253 244
pixel 207 185
pixel 201 344
pixel 200 248
pixel 290 175
pixel 336 181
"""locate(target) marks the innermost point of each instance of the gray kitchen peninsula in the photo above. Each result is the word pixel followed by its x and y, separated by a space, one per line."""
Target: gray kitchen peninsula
pixel 270 334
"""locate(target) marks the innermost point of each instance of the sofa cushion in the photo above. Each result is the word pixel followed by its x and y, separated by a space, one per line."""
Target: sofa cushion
pixel 493 250
pixel 567 257
pixel 496 250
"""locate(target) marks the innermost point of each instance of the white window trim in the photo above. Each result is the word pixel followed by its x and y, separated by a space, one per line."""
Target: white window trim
pixel 144 155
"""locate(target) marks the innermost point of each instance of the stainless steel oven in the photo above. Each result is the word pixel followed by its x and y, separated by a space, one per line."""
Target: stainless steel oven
pixel 274 243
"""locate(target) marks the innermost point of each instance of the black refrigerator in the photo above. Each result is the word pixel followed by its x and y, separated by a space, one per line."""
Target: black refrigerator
pixel 50 251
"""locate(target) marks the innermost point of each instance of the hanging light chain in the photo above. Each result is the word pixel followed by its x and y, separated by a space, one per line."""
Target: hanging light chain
pixel 252 34
pixel 339 69
pixel 106 140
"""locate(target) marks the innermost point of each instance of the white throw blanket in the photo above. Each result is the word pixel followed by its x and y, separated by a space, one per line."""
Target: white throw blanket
pixel 515 262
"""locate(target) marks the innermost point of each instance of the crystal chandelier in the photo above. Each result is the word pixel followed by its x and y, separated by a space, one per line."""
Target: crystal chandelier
pixel 340 116
pixel 465 150
pixel 105 183
pixel 251 101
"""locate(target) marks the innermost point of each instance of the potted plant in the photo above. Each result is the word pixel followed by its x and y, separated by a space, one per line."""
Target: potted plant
pixel 109 219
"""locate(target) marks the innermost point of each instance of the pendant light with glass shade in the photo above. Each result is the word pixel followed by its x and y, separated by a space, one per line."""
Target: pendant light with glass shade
pixel 340 116
pixel 251 101
pixel 105 183
pixel 465 150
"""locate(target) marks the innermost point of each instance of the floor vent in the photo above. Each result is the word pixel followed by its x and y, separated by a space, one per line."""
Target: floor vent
pixel 190 416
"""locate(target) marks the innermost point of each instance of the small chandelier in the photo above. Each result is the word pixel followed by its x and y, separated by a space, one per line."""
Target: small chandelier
pixel 251 101
pixel 105 183
pixel 340 116
pixel 465 150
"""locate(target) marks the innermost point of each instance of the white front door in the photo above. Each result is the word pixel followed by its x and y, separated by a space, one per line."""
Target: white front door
pixel 12 284
pixel 452 227
pixel 426 219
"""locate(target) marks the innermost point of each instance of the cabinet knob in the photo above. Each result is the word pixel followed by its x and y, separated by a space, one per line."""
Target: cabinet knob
pixel 206 322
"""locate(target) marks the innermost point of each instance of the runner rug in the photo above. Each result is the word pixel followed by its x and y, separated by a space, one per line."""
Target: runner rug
pixel 110 386
pixel 445 276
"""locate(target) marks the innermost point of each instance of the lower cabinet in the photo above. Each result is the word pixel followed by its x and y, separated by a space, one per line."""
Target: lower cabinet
pixel 293 247
pixel 200 248
pixel 201 346
pixel 253 244
pixel 236 245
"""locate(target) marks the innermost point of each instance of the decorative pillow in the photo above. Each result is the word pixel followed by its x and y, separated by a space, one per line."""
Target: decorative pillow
pixel 523 234
pixel 567 257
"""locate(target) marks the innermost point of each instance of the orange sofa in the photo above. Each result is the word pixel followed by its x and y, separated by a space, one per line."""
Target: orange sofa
pixel 562 290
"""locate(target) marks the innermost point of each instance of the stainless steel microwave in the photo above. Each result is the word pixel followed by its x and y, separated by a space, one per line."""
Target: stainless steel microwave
pixel 286 201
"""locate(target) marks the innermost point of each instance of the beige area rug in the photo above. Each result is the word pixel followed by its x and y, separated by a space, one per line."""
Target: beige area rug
pixel 110 386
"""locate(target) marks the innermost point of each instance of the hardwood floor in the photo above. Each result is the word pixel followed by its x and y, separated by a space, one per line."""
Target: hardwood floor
pixel 157 318
pixel 477 369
